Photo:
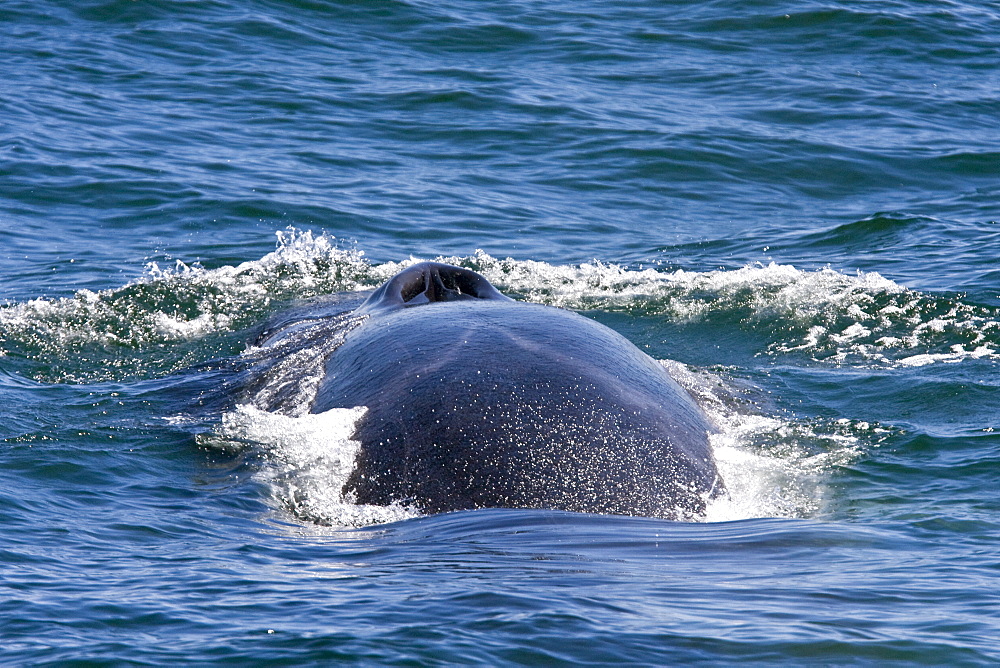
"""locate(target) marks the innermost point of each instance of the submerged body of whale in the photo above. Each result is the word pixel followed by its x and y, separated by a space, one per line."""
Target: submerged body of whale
pixel 475 400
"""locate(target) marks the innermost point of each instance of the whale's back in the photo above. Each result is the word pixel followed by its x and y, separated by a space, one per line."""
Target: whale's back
pixel 486 403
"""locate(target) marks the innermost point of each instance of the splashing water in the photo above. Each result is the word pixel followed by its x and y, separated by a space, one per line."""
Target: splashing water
pixel 773 466
pixel 825 315
pixel 307 461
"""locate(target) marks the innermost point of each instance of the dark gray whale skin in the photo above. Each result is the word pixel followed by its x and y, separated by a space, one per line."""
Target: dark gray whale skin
pixel 476 400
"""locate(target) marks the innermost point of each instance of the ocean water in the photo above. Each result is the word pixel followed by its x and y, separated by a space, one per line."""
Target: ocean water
pixel 794 206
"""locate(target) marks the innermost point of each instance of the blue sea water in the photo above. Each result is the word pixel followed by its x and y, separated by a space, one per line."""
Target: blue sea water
pixel 794 206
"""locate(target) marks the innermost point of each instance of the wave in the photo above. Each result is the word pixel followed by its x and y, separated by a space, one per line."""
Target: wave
pixel 188 313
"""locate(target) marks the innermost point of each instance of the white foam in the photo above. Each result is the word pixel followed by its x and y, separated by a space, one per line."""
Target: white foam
pixel 864 316
pixel 105 334
pixel 772 466
pixel 825 314
pixel 306 462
